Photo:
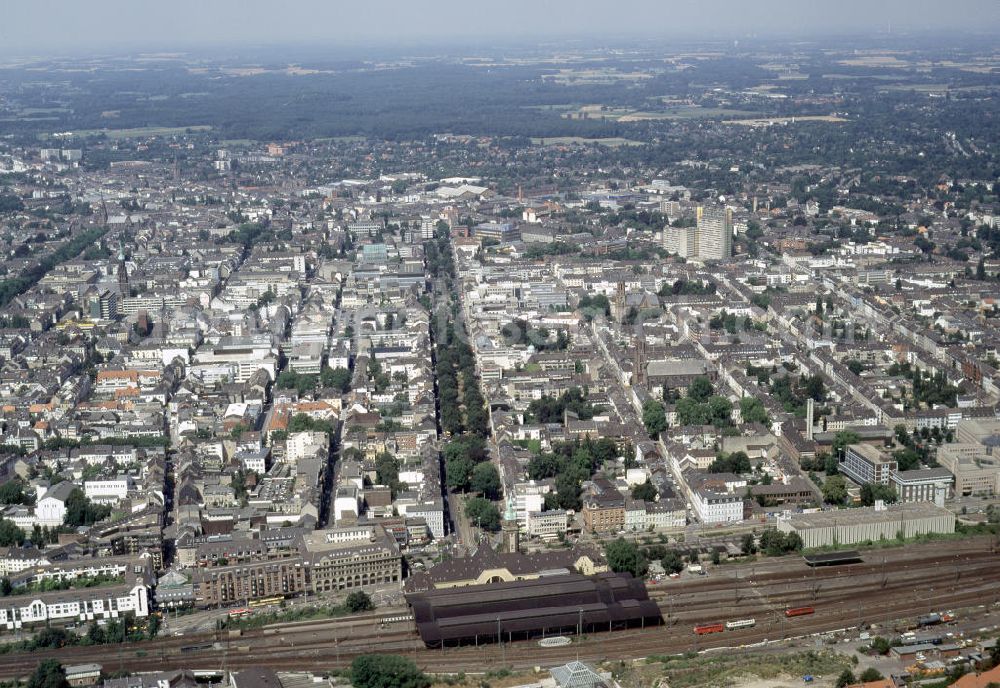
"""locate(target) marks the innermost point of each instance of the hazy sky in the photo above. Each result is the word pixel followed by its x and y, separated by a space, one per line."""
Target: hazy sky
pixel 39 26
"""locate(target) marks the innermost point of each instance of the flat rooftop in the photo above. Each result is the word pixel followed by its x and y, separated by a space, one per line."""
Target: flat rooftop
pixel 869 452
pixel 842 517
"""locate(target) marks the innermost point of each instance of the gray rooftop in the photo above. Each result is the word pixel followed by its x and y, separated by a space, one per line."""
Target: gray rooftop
pixel 895 512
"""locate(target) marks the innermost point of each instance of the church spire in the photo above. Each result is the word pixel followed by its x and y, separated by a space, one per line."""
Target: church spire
pixel 511 529
pixel 510 514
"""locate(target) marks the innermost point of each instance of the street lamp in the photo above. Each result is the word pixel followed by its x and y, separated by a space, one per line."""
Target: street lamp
pixel 503 649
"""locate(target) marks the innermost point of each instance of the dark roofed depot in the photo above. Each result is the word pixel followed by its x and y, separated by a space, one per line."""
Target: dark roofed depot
pixel 522 609
pixel 848 556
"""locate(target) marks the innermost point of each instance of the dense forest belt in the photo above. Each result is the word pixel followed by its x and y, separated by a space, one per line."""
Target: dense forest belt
pixel 522 103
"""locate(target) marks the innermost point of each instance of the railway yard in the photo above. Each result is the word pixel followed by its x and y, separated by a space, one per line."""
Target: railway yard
pixel 889 586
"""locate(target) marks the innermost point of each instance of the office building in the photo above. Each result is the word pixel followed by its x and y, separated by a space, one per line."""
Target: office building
pixel 547 524
pixel 227 585
pixel 715 233
pixel 103 305
pixel 976 469
pixel 366 227
pixel 864 463
pixel 497 231
pixel 356 557
pixel 682 241
pixel 428 226
pixel 375 254
pixel 923 485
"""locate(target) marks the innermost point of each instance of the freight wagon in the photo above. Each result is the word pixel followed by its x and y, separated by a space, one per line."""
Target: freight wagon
pixel 709 628
pixel 799 611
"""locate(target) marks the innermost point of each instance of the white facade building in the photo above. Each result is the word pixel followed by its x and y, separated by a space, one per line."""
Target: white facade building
pixel 715 233
pixel 51 508
pixel 635 515
pixel 256 461
pixel 431 512
pixel 547 524
pixel 714 507
pixel 85 604
pixel 108 490
pixel 528 497
pixel 682 241
pixel 345 503
pixel 303 445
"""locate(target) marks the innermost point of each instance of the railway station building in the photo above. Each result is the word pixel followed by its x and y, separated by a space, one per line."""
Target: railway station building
pixel 550 605
pixel 488 566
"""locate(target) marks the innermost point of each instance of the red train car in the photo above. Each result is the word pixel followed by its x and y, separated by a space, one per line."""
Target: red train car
pixel 799 611
pixel 709 628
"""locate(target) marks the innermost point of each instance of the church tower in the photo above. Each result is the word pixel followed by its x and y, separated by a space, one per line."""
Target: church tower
pixel 618 304
pixel 123 286
pixel 639 361
pixel 510 528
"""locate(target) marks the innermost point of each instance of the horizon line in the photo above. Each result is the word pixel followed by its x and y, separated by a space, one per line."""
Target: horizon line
pixel 486 44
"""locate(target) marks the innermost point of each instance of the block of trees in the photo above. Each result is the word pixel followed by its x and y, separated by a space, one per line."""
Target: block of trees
pixel 625 556
pixel 654 417
pixel 702 407
pixel 735 462
pixel 386 671
pixel 552 409
pixel 358 601
pixel 570 463
pixel 483 513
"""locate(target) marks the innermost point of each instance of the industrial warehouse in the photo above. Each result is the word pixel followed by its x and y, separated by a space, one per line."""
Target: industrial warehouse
pixel 524 609
pixel 824 529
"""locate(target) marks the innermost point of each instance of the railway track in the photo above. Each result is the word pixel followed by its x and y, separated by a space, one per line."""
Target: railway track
pixel 833 590
pixel 885 563
pixel 909 584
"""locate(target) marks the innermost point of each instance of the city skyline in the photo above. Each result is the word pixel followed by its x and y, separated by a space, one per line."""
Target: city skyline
pixel 430 344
